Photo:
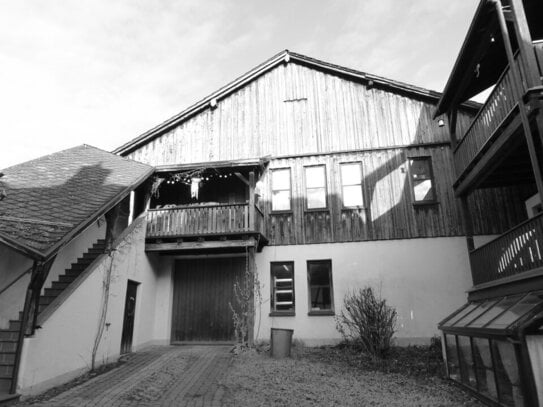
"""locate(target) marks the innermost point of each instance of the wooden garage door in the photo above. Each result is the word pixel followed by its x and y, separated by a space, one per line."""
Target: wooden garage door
pixel 202 290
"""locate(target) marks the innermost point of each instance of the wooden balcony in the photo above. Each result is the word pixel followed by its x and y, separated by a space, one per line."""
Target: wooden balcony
pixel 495 114
pixel 517 251
pixel 204 226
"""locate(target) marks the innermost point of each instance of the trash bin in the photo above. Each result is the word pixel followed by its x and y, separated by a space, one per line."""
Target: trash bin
pixel 281 339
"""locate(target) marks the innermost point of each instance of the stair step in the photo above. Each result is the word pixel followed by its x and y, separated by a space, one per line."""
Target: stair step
pixel 8 345
pixel 7 357
pixel 14 325
pixel 5 385
pixel 57 285
pixel 53 292
pixel 82 261
pixel 73 273
pixel 6 370
pixel 8 334
pixel 76 267
pixel 46 299
pixel 66 279
pixel 97 251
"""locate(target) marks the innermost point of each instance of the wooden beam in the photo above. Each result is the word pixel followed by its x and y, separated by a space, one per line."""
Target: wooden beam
pixel 252 186
pixel 232 244
pixel 467 223
pixel 452 118
pixel 241 177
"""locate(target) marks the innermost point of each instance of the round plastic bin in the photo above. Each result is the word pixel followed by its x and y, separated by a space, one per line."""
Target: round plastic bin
pixel 281 340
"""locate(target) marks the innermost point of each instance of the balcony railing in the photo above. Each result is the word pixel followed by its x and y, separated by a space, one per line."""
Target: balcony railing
pixel 495 111
pixel 518 250
pixel 203 220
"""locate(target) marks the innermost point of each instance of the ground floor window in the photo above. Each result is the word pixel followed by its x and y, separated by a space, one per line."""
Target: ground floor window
pixel 282 285
pixel 319 277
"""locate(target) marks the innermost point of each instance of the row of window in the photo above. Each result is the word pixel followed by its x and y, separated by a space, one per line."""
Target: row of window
pixel 420 173
pixel 319 282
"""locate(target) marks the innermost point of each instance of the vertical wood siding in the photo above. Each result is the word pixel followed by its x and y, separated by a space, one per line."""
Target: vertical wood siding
pixel 292 110
pixel 388 211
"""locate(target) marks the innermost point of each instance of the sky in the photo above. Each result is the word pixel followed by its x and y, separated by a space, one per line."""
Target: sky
pixel 101 72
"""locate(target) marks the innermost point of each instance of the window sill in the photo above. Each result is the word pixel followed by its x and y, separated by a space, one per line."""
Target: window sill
pixel 353 208
pixel 425 203
pixel 282 314
pixel 317 210
pixel 325 312
pixel 285 212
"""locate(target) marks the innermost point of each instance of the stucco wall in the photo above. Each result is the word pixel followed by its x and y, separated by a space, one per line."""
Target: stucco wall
pixel 425 279
pixel 62 349
pixel 12 265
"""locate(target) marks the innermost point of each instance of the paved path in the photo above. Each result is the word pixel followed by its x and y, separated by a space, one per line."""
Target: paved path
pixel 160 376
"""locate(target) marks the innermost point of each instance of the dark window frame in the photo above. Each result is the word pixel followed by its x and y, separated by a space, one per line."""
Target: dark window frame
pixel 273 310
pixel 342 185
pixel 272 171
pixel 326 204
pixel 325 312
pixel 432 178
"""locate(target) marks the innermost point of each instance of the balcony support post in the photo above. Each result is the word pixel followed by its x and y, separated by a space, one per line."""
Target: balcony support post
pixel 252 185
pixel 251 311
pixel 519 93
pixel 452 117
pixel 527 54
pixel 467 222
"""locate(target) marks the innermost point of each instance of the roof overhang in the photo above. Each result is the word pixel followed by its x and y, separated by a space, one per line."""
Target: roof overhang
pixel 46 255
pixel 480 61
pixel 256 164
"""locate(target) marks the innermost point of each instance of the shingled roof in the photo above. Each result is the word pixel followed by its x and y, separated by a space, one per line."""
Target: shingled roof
pixel 52 198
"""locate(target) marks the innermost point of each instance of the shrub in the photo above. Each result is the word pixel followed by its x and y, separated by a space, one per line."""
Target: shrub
pixel 367 321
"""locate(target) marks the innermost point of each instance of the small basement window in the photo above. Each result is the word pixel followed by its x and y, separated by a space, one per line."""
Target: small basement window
pixel 484 343
pixel 319 277
pixel 282 285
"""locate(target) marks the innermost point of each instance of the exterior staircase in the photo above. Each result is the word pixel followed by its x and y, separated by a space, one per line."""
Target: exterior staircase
pixel 8 337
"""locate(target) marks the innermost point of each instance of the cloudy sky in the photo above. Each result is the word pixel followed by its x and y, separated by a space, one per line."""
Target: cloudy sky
pixel 101 72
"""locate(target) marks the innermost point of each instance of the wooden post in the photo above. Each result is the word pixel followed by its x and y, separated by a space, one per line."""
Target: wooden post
pixel 451 117
pixel 519 93
pixel 252 185
pixel 251 310
pixel 111 221
pixel 526 46
pixel 131 207
pixel 467 222
pixel 38 285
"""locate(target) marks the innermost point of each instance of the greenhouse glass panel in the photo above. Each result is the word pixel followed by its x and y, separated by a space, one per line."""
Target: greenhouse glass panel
pixel 515 312
pixel 466 362
pixel 507 373
pixel 452 357
pixel 492 313
pixel 484 368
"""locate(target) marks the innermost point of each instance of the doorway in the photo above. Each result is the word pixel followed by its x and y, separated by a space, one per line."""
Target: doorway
pixel 129 316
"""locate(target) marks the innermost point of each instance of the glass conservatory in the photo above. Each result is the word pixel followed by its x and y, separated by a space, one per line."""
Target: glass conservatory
pixel 495 347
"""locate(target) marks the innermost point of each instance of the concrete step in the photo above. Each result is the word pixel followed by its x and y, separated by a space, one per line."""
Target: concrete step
pixel 5 385
pixel 6 370
pixel 65 279
pixel 46 299
pixel 7 357
pixel 8 399
pixel 8 345
pixel 57 285
pixel 53 292
pixel 9 334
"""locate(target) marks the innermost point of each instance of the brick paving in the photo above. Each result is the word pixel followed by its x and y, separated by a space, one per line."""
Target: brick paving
pixel 184 376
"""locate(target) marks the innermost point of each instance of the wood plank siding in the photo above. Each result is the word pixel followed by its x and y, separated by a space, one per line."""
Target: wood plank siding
pixel 293 109
pixel 302 116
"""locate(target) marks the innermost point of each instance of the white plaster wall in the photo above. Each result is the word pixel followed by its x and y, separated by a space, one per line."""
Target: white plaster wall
pixel 62 349
pixel 425 279
pixel 12 264
pixel 75 249
pixel 164 301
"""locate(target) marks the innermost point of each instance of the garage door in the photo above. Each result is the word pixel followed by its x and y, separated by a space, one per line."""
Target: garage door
pixel 203 288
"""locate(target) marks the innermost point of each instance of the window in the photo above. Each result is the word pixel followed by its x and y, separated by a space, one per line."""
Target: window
pixel 281 189
pixel 319 277
pixel 351 184
pixel 315 186
pixel 422 179
pixel 282 284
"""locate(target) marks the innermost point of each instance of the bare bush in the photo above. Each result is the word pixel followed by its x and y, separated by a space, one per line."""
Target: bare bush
pixel 367 321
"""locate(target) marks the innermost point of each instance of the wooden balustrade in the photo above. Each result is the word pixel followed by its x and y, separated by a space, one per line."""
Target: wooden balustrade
pixel 202 220
pixel 538 48
pixel 495 111
pixel 518 250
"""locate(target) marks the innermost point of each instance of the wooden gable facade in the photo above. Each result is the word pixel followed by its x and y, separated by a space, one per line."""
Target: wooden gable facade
pixel 299 112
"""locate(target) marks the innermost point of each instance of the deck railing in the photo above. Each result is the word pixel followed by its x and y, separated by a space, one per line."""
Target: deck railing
pixel 495 111
pixel 518 250
pixel 202 220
